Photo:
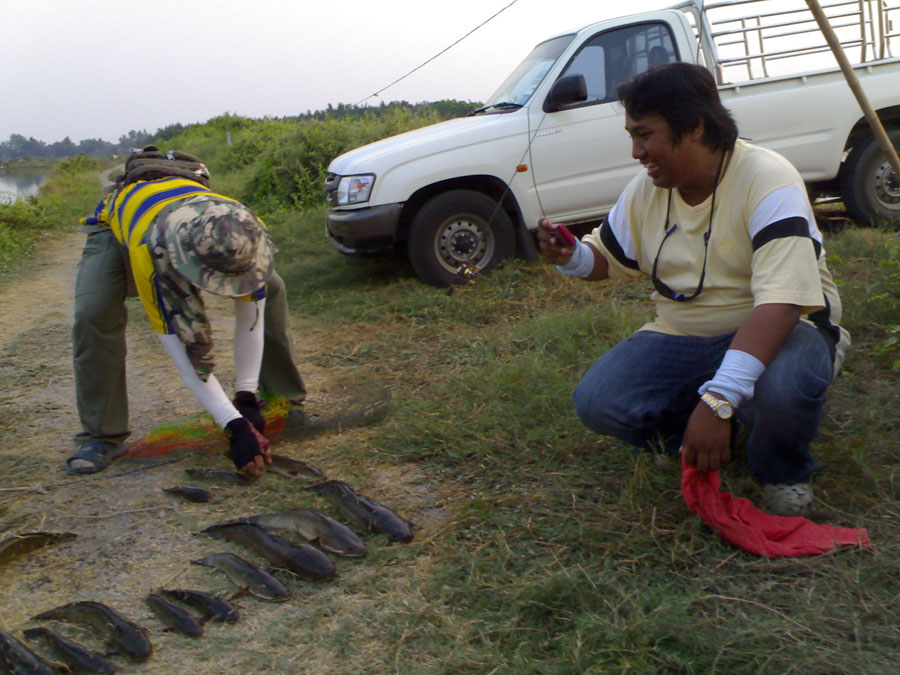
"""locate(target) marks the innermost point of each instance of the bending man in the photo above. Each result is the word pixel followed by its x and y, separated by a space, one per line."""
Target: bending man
pixel 178 237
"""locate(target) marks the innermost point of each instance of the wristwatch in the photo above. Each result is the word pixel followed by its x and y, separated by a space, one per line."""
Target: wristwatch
pixel 723 409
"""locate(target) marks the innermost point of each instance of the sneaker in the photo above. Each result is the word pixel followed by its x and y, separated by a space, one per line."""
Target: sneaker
pixel 788 500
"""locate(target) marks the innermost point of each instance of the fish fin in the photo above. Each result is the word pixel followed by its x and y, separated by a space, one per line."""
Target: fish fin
pixel 239 593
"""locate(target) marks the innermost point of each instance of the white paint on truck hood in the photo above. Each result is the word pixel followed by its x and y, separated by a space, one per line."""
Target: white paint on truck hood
pixel 436 138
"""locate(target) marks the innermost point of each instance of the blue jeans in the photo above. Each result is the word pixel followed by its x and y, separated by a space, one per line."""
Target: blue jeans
pixel 644 389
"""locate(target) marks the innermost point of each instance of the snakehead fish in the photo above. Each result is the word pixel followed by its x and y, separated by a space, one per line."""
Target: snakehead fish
pixel 300 559
pixel 362 512
pixel 78 658
pixel 19 544
pixel 126 635
pixel 294 468
pixel 213 607
pixel 17 658
pixel 190 493
pixel 246 575
pixel 174 617
pixel 315 526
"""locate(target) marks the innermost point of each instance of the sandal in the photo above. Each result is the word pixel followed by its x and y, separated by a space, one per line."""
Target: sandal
pixel 98 454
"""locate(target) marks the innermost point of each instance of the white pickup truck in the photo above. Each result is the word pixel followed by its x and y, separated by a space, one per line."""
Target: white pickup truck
pixel 464 194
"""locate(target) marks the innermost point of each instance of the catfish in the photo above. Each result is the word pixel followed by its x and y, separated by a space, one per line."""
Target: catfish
pixel 174 617
pixel 364 513
pixel 126 635
pixel 212 607
pixel 247 576
pixel 192 494
pixel 18 545
pixel 329 534
pixel 78 658
pixel 17 658
pixel 300 559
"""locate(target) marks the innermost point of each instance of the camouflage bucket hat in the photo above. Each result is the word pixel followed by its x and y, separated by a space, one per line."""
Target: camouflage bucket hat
pixel 217 245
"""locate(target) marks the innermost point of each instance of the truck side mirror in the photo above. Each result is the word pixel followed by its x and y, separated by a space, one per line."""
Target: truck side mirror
pixel 566 91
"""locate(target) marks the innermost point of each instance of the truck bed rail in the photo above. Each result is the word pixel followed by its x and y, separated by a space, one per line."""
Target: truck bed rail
pixel 753 39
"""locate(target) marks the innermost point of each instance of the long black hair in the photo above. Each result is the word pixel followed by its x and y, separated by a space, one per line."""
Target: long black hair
pixel 682 94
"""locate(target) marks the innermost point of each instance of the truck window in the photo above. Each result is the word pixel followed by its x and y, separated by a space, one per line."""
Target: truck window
pixel 617 55
pixel 520 85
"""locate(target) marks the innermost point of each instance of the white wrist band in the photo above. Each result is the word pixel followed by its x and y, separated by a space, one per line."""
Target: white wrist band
pixel 581 264
pixel 735 377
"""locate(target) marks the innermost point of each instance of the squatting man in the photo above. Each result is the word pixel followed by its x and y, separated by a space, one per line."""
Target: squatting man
pixel 747 313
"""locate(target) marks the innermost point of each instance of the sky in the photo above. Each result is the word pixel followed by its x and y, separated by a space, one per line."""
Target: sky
pixel 100 68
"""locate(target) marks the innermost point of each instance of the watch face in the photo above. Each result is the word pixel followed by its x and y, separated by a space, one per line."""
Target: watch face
pixel 724 410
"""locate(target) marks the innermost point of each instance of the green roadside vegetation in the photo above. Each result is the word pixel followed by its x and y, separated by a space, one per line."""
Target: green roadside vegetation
pixel 71 191
pixel 563 552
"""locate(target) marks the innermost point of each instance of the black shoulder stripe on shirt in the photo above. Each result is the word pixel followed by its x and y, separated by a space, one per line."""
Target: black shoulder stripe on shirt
pixel 612 245
pixel 789 227
pixel 822 320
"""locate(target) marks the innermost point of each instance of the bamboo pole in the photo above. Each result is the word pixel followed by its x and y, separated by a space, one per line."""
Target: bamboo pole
pixel 870 114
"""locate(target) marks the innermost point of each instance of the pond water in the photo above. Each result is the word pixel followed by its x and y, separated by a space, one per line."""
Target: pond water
pixel 20 185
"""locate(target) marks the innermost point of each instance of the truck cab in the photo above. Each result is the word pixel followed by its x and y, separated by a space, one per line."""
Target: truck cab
pixel 464 194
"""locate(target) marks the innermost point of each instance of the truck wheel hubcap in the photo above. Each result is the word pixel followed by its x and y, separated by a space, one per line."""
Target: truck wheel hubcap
pixel 461 241
pixel 887 186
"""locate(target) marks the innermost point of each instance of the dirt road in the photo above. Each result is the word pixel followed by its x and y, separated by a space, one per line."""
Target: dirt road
pixel 131 537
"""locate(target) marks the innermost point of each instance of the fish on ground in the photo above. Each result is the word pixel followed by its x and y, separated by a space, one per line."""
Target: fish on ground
pixel 17 658
pixel 362 512
pixel 173 616
pixel 301 559
pixel 315 526
pixel 228 476
pixel 294 468
pixel 126 635
pixel 78 659
pixel 246 575
pixel 18 545
pixel 192 494
pixel 212 607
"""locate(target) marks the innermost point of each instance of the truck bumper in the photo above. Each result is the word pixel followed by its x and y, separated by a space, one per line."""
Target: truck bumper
pixel 363 231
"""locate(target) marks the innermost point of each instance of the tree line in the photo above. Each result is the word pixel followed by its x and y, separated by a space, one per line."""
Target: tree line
pixel 19 147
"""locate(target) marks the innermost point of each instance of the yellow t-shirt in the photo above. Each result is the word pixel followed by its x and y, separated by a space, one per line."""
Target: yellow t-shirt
pixel 129 213
pixel 764 247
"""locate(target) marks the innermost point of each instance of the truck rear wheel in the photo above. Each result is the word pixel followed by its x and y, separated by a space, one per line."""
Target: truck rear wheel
pixel 870 187
pixel 459 232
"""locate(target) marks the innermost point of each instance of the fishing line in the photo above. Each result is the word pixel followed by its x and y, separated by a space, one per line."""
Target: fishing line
pixel 424 63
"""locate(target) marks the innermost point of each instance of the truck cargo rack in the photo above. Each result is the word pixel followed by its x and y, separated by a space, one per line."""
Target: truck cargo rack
pixel 755 39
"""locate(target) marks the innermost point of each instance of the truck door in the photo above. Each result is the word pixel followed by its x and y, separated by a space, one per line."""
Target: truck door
pixel 581 156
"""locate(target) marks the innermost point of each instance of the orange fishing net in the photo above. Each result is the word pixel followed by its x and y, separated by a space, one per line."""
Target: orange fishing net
pixel 198 433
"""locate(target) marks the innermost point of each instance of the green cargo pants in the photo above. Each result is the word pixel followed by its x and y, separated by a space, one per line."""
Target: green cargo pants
pixel 98 341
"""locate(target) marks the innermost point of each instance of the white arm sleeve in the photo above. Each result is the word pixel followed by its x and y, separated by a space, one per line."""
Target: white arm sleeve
pixel 249 327
pixel 209 393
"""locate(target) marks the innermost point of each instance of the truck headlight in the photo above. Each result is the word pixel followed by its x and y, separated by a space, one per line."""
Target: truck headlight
pixel 354 189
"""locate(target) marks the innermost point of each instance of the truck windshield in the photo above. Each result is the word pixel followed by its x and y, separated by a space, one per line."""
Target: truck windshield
pixel 520 85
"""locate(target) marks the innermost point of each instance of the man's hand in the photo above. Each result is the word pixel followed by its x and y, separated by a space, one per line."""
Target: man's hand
pixel 707 439
pixel 552 245
pixel 249 449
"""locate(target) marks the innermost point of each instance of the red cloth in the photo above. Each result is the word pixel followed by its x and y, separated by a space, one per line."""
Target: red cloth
pixel 745 526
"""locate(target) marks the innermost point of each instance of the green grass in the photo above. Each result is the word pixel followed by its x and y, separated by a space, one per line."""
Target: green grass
pixel 71 191
pixel 570 554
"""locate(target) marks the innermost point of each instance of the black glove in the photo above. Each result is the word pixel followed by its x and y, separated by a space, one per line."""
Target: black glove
pixel 244 445
pixel 248 405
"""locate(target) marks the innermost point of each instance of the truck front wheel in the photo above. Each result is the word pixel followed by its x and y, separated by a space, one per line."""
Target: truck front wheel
pixel 870 187
pixel 458 233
